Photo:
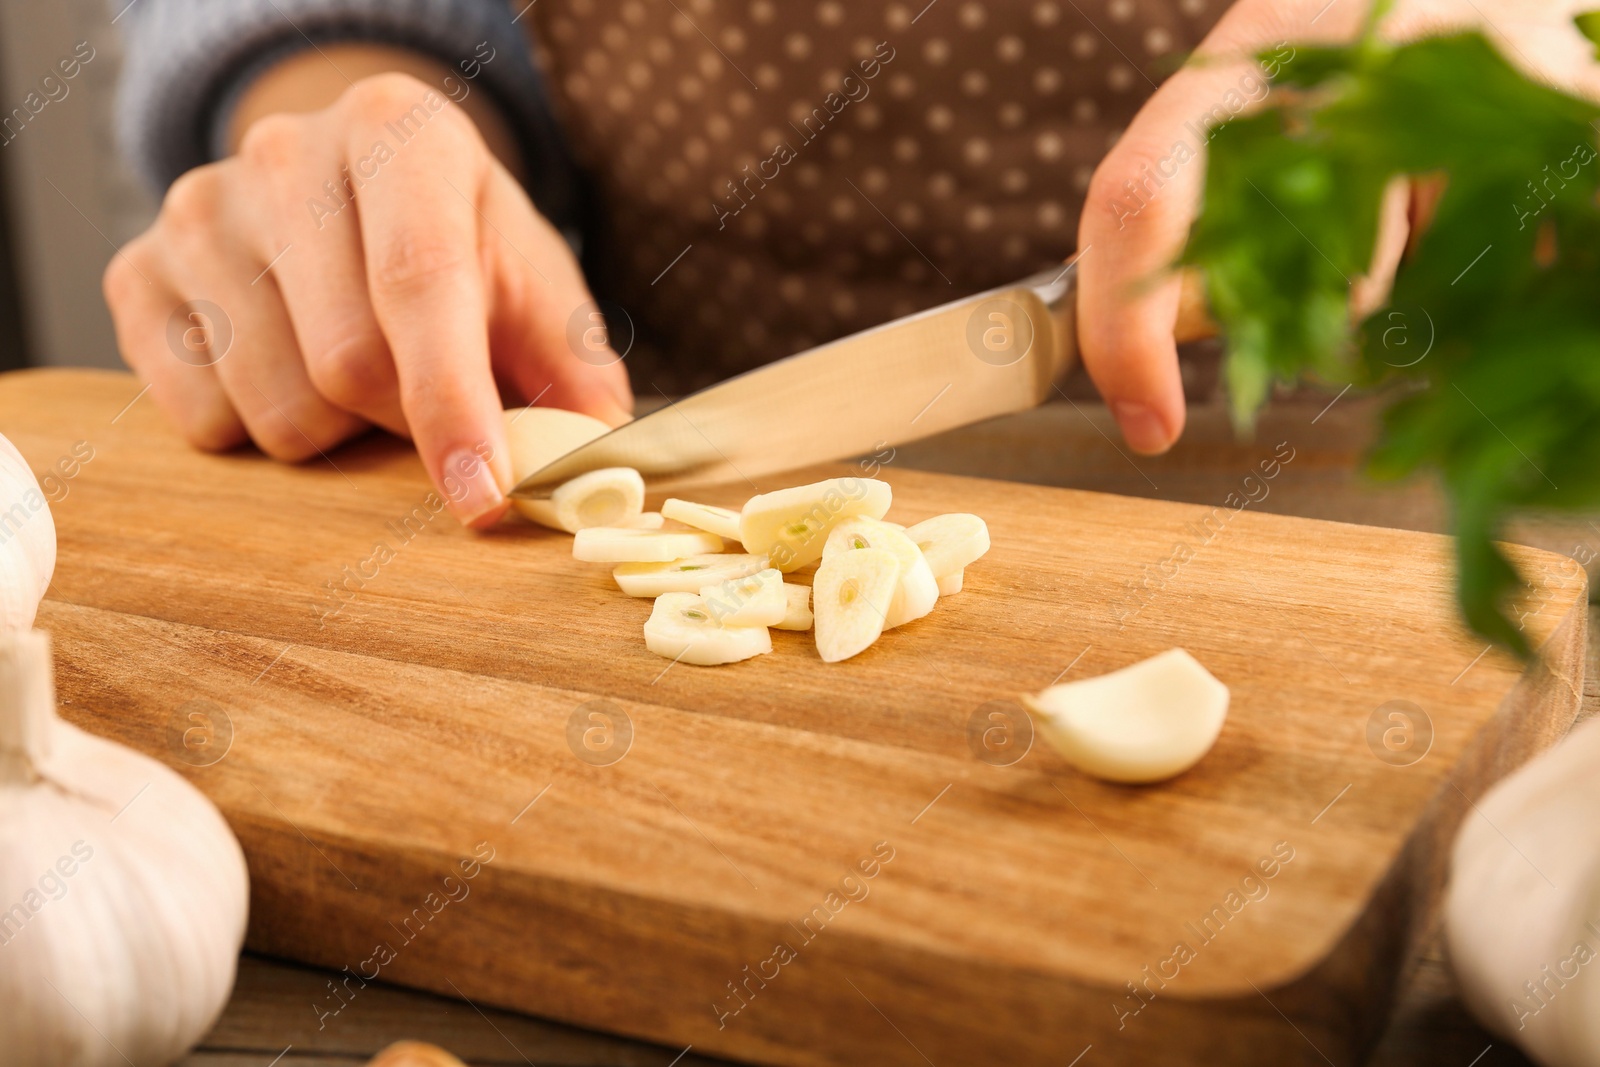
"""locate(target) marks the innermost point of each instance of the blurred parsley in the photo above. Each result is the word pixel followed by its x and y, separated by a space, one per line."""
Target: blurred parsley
pixel 1505 403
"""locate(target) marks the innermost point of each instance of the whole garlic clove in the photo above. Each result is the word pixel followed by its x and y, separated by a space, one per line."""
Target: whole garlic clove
pixel 1146 722
pixel 537 437
pixel 123 895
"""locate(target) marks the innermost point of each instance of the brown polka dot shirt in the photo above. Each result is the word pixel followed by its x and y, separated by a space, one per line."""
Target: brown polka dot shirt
pixel 770 175
pixel 760 175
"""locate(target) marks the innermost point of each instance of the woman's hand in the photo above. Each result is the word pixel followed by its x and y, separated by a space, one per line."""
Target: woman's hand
pixel 1146 191
pixel 400 306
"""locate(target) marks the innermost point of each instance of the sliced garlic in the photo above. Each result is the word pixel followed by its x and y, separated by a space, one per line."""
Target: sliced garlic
pixel 645 520
pixel 797 614
pixel 951 542
pixel 790 526
pixel 537 437
pixel 611 544
pixel 1143 723
pixel 681 628
pixel 917 591
pixel 850 596
pixel 685 575
pixel 611 496
pixel 951 584
pixel 711 519
pixel 758 600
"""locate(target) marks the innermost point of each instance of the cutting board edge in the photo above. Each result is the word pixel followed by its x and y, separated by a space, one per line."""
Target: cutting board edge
pixel 1416 881
pixel 1024 994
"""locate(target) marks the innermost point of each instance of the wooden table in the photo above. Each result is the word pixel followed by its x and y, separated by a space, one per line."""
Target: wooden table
pixel 272 1011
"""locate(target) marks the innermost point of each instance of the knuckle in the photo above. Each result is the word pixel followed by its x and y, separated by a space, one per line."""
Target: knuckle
pixel 275 437
pixel 383 96
pixel 194 201
pixel 433 395
pixel 280 427
pixel 403 102
pixel 351 371
pixel 1129 186
pixel 212 429
pixel 274 142
pixel 414 260
pixel 121 282
pixel 1106 183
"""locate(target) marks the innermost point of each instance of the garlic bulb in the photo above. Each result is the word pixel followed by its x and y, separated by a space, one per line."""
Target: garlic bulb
pixel 122 892
pixel 1523 910
pixel 414 1054
pixel 27 541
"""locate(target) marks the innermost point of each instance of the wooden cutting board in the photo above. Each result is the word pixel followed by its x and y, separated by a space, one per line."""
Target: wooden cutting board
pixel 793 862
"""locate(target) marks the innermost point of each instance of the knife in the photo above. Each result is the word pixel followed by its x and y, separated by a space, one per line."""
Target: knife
pixel 994 353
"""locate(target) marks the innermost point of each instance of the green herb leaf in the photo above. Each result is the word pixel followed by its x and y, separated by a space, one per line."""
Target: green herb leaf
pixel 1490 342
pixel 1588 24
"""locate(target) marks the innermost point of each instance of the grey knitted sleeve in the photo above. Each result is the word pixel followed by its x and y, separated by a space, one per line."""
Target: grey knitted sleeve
pixel 187 61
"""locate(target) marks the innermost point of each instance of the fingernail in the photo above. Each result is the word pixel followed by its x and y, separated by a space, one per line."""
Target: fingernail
pixel 1142 427
pixel 470 488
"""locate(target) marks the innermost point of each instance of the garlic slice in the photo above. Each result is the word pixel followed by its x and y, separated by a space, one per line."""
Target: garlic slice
pixel 758 600
pixel 711 519
pixel 1143 723
pixel 951 584
pixel 614 544
pixel 687 575
pixel 797 612
pixel 681 628
pixel 791 526
pixel 917 591
pixel 612 496
pixel 850 595
pixel 951 542
pixel 537 437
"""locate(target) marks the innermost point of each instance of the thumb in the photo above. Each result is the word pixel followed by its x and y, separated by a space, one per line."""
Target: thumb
pixel 550 339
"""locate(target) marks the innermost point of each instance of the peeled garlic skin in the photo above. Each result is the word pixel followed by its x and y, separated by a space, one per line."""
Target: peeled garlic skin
pixel 146 936
pixel 1144 723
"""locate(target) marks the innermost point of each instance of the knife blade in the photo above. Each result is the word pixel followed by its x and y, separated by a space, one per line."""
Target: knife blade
pixel 994 353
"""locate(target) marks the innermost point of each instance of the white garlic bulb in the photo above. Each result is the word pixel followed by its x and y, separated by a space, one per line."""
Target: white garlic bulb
pixel 123 894
pixel 27 541
pixel 1523 911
